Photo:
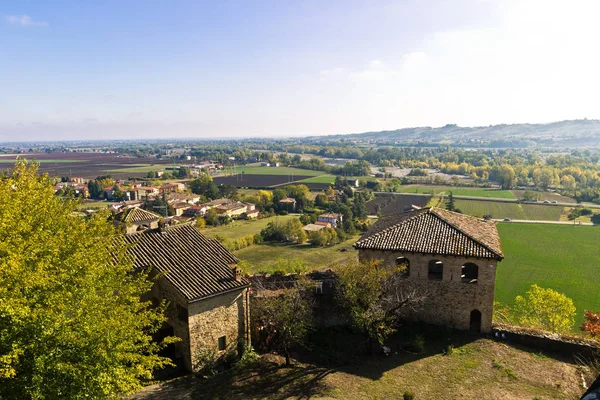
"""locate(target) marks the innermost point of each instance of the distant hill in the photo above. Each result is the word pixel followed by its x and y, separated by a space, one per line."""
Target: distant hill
pixel 574 133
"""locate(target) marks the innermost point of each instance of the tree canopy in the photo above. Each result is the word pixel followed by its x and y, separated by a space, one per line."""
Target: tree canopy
pixel 72 323
pixel 545 309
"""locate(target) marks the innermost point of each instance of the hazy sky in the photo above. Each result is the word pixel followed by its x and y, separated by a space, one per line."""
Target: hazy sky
pixel 140 69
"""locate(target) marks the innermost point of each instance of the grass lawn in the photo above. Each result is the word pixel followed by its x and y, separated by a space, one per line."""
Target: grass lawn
pixel 93 204
pixel 476 369
pixel 258 170
pixel 565 258
pixel 458 191
pixel 240 228
pixel 261 257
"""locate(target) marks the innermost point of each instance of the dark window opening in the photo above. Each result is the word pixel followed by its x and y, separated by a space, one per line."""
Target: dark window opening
pixel 222 343
pixel 403 265
pixel 469 273
pixel 475 321
pixel 182 313
pixel 436 270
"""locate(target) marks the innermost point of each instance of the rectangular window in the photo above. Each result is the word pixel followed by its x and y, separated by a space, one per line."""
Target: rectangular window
pixel 222 343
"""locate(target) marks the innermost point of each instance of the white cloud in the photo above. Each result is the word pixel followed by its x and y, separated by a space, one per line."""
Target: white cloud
pixel 24 21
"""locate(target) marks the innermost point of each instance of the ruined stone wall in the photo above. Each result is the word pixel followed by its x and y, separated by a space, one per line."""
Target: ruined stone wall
pixel 223 315
pixel 450 301
pixel 162 289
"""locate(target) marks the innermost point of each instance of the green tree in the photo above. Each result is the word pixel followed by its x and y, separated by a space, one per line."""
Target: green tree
pixel 450 203
pixel 72 323
pixel 375 295
pixel 506 176
pixel 286 318
pixel 545 309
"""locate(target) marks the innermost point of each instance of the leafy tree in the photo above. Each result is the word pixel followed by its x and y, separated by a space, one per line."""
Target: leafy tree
pixel 286 318
pixel 72 321
pixel 591 324
pixel 211 217
pixel 94 188
pixel 506 176
pixel 375 296
pixel 530 195
pixel 545 309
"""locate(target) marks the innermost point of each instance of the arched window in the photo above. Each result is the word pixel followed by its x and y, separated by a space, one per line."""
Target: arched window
pixel 404 264
pixel 469 273
pixel 436 270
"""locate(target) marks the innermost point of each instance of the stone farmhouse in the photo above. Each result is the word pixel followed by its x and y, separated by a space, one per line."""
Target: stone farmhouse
pixel 450 256
pixel 136 219
pixel 208 299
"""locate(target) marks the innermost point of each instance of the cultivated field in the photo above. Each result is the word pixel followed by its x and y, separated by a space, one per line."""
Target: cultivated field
pixel 500 210
pixel 457 191
pixel 565 258
pixel 258 170
pixel 89 165
pixel 257 180
pixel 550 196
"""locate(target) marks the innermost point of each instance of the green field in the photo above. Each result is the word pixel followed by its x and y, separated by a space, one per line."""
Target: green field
pixel 142 168
pixel 319 179
pixel 457 191
pixel 260 257
pixel 562 257
pixel 258 170
pixel 500 210
pixel 519 194
pixel 241 228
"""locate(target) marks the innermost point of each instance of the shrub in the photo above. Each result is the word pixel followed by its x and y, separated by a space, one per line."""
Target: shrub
pixel 408 395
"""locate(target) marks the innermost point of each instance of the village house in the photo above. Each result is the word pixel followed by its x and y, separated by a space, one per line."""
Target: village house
pixel 194 211
pixel 136 219
pixel 289 203
pixel 313 227
pixel 208 299
pixel 332 218
pixel 180 197
pixel 216 203
pixel 236 209
pixel 448 256
pixel 180 207
pixel 171 188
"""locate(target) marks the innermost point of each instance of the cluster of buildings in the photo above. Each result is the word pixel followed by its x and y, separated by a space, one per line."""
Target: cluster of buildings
pixel 452 257
pixel 326 220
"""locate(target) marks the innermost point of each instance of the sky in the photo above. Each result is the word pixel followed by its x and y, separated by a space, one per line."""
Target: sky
pixel 135 69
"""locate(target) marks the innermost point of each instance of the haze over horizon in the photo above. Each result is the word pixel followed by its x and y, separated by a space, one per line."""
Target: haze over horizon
pixel 115 70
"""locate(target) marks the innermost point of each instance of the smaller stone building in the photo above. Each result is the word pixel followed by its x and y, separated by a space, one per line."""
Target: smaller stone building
pixel 208 298
pixel 137 219
pixel 449 256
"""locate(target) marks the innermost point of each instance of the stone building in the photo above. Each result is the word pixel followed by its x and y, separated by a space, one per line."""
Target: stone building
pixel 450 256
pixel 208 298
pixel 135 219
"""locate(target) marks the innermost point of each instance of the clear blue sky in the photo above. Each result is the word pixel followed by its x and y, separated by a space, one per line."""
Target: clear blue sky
pixel 149 69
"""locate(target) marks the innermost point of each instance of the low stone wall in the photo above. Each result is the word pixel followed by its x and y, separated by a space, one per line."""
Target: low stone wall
pixel 569 346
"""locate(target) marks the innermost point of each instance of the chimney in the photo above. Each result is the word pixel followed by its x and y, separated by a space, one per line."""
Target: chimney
pixel 237 272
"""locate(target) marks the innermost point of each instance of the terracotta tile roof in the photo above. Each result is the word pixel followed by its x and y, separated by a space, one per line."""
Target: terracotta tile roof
pixel 196 266
pixel 287 200
pixel 136 214
pixel 434 231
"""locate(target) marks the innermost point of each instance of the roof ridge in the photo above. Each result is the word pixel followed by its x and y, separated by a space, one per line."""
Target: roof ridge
pixel 461 230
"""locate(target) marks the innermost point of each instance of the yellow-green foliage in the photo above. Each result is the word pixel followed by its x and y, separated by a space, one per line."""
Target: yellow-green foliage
pixel 546 309
pixel 71 321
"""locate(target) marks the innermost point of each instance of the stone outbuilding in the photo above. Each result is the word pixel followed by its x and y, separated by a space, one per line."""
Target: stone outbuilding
pixel 450 256
pixel 207 295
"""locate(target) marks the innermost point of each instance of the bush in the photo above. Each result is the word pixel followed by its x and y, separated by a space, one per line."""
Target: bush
pixel 408 395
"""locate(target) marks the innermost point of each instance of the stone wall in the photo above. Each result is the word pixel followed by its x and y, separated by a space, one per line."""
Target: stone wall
pixel 450 301
pixel 223 315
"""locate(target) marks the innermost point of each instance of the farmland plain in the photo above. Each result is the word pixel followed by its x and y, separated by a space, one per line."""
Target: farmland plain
pixel 565 258
pixel 457 191
pixel 241 228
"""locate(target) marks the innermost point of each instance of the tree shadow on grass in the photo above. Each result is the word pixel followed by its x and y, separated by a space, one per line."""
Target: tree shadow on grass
pixel 266 379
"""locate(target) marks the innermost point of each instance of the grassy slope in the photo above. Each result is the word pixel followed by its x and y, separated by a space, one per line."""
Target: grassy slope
pixel 481 369
pixel 238 229
pixel 519 194
pixel 261 256
pixel 562 257
pixel 458 191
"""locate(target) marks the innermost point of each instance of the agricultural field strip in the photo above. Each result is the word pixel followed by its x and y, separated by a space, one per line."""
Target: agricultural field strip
pixel 254 170
pixel 240 228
